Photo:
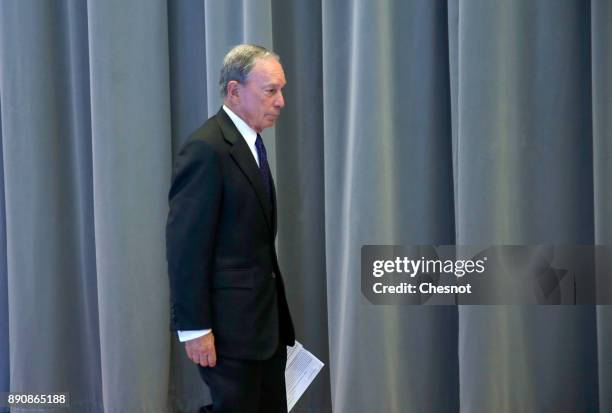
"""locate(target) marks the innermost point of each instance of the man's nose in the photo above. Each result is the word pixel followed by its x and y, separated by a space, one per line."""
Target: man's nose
pixel 280 100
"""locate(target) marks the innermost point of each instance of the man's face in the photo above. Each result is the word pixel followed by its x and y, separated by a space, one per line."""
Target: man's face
pixel 260 98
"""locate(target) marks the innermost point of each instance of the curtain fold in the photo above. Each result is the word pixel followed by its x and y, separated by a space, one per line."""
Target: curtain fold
pixel 525 177
pixel 406 122
pixel 601 86
pixel 131 157
pixel 53 326
pixel 4 317
pixel 388 180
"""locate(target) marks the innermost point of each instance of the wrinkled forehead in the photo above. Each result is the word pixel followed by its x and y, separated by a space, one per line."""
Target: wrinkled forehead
pixel 267 71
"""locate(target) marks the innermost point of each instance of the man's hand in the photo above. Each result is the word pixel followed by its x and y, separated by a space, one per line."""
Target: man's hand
pixel 201 350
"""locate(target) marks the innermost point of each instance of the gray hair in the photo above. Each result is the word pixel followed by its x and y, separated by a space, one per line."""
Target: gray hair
pixel 238 63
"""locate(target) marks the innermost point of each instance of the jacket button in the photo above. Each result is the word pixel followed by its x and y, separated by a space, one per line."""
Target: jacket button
pixel 273 275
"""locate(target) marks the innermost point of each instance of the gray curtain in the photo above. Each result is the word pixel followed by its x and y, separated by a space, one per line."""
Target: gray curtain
pixel 601 86
pixel 4 329
pixel 524 113
pixel 407 122
pixel 388 180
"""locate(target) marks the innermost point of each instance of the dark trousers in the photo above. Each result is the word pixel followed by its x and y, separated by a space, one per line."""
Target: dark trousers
pixel 248 386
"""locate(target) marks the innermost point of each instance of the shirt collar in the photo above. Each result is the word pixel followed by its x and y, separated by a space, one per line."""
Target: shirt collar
pixel 248 133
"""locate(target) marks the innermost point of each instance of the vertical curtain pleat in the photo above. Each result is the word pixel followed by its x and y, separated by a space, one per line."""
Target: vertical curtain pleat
pixel 524 165
pixel 4 317
pixel 187 53
pixel 131 150
pixel 601 86
pixel 388 180
pixel 53 319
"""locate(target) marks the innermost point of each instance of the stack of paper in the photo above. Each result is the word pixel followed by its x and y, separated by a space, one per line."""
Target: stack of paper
pixel 302 368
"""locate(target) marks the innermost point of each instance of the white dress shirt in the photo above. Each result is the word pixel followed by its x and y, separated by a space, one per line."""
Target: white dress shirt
pixel 250 136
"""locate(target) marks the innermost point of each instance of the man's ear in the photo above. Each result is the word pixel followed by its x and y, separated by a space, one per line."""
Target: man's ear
pixel 233 90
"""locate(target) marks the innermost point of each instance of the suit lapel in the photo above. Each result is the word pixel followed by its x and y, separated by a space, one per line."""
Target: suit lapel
pixel 274 216
pixel 242 155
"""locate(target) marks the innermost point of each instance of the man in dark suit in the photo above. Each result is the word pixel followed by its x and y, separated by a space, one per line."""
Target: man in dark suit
pixel 228 301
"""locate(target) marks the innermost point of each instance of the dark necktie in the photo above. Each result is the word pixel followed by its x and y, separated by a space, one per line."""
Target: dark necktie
pixel 264 168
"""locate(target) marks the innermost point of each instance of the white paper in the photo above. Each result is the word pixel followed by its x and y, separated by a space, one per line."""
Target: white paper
pixel 302 368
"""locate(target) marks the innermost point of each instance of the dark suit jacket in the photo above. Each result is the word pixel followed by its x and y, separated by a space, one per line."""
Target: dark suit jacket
pixel 220 233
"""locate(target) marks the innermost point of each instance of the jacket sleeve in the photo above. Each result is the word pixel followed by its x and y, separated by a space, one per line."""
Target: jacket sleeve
pixel 194 200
